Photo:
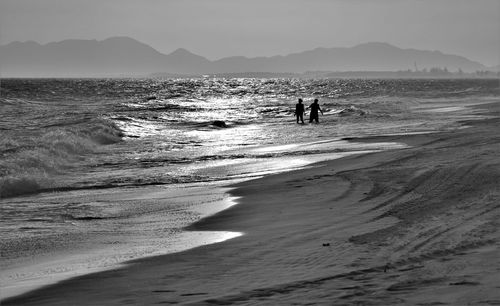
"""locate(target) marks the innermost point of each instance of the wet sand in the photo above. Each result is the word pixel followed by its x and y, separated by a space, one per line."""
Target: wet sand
pixel 90 231
pixel 416 226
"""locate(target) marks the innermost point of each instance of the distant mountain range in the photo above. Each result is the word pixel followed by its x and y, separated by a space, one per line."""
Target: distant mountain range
pixel 124 56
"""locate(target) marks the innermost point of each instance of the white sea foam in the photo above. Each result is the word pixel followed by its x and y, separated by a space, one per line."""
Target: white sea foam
pixel 27 166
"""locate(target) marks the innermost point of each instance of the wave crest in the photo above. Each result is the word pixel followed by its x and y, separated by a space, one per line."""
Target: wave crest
pixel 19 185
pixel 29 165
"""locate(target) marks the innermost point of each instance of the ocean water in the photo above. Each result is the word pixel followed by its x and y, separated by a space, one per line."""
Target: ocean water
pixel 73 134
pixel 95 172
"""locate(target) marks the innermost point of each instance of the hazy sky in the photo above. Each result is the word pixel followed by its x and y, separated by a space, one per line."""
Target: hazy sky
pixel 218 28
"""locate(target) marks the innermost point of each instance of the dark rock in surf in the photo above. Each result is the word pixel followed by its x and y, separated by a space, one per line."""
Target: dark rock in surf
pixel 219 123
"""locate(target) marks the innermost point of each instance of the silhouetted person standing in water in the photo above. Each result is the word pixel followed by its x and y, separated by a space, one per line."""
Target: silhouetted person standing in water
pixel 299 111
pixel 314 111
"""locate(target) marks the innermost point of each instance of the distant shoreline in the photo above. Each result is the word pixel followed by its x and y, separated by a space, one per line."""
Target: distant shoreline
pixel 369 75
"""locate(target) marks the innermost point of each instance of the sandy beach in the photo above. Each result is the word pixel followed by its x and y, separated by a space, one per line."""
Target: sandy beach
pixel 413 226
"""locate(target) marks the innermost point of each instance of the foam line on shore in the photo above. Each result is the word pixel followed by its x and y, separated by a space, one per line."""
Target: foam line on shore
pixel 140 236
pixel 22 278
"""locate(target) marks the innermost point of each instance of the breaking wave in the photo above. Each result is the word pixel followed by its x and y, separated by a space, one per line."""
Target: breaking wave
pixel 30 162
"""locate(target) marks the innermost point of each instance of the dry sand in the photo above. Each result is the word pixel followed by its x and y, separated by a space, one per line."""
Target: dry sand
pixel 416 226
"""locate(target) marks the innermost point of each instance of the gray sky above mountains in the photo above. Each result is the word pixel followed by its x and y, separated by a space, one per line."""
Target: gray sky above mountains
pixel 219 28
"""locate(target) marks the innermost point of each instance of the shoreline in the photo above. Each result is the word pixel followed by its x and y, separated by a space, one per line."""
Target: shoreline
pixel 98 254
pixel 95 256
pixel 374 228
pixel 133 237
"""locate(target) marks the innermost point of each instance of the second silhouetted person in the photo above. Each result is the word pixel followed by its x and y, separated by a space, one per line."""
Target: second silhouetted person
pixel 313 115
pixel 299 111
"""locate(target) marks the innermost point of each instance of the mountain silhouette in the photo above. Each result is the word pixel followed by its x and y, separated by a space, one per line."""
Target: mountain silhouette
pixel 112 56
pixel 124 56
pixel 182 61
pixel 364 57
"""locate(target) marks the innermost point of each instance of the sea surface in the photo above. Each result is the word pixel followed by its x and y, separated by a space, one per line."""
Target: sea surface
pixel 95 172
